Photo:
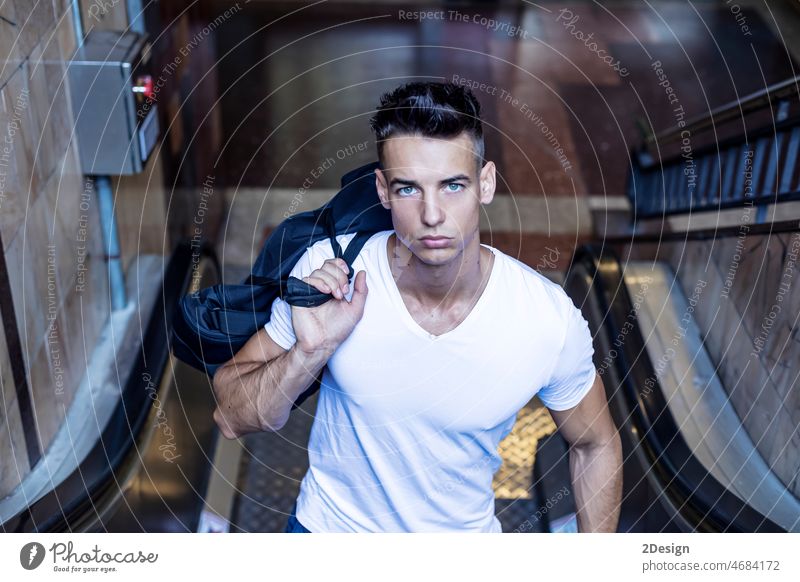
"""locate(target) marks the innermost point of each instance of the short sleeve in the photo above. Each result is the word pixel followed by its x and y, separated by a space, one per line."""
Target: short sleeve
pixel 574 372
pixel 279 327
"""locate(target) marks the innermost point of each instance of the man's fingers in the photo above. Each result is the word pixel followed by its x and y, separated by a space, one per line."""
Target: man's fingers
pixel 318 284
pixel 337 273
pixel 359 296
pixel 322 282
pixel 337 265
pixel 335 284
pixel 342 264
pixel 360 282
pixel 331 278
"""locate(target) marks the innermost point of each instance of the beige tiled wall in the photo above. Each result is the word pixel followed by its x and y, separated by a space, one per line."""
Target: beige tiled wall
pixel 104 14
pixel 49 222
pixel 58 280
pixel 764 387
pixel 140 204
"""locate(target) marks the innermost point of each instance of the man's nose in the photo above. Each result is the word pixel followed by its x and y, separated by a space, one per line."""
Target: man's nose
pixel 432 212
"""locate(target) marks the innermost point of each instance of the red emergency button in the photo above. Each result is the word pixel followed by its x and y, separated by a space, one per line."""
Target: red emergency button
pixel 144 86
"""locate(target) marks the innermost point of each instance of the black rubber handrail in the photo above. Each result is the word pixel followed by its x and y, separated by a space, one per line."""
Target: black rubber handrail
pixel 713 233
pixel 732 110
pixel 102 470
pixel 703 501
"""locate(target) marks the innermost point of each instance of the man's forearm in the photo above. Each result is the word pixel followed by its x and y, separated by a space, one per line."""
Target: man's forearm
pixel 258 396
pixel 596 471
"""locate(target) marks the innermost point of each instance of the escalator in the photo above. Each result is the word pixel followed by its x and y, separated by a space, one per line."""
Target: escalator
pixel 150 468
pixel 676 478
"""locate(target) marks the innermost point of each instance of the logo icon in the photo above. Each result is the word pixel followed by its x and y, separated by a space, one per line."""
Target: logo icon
pixel 31 555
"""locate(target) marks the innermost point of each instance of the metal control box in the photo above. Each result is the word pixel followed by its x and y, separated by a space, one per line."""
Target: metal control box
pixel 113 102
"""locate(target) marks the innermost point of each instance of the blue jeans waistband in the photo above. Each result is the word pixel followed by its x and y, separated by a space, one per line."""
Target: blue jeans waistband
pixel 293 525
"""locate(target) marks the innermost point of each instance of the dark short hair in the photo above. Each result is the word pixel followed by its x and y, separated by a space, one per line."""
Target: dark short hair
pixel 429 109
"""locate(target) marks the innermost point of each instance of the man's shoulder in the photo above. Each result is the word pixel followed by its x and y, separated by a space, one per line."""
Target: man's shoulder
pixel 532 283
pixel 322 250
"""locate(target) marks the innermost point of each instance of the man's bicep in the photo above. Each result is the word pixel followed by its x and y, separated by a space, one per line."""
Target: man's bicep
pixel 589 421
pixel 573 371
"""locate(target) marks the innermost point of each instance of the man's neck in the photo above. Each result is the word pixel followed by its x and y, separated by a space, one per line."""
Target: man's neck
pixel 440 286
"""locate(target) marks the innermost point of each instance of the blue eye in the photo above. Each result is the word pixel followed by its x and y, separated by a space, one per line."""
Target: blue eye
pixel 458 186
pixel 405 190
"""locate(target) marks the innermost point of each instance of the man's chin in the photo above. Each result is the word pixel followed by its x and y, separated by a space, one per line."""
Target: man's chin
pixel 435 257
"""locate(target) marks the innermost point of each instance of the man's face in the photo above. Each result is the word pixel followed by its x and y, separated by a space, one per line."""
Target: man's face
pixel 434 189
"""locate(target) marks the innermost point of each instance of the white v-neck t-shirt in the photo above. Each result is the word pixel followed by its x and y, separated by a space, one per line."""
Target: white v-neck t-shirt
pixel 408 424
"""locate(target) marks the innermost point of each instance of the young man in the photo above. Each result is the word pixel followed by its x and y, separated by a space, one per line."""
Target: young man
pixel 430 354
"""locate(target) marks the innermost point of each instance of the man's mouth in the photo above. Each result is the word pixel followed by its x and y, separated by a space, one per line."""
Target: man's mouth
pixel 435 242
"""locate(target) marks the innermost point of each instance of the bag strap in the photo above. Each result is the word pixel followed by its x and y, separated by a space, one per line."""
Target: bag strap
pixel 327 218
pixel 301 294
pixel 296 292
pixel 329 224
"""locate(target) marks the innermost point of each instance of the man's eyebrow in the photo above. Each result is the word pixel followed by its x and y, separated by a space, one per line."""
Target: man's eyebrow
pixel 403 182
pixel 456 178
pixel 406 182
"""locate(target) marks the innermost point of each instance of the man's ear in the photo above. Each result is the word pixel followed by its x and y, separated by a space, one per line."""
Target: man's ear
pixel 382 187
pixel 488 183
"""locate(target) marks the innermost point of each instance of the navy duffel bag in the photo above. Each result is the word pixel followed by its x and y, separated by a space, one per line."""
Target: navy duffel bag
pixel 212 324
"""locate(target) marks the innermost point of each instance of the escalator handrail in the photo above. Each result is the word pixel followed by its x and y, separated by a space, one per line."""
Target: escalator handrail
pixel 680 472
pixel 732 110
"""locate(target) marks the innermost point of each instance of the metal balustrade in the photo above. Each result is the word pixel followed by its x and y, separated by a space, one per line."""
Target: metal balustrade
pixel 755 168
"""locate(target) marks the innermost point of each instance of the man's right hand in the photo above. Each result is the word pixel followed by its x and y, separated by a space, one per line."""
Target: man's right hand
pixel 326 326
